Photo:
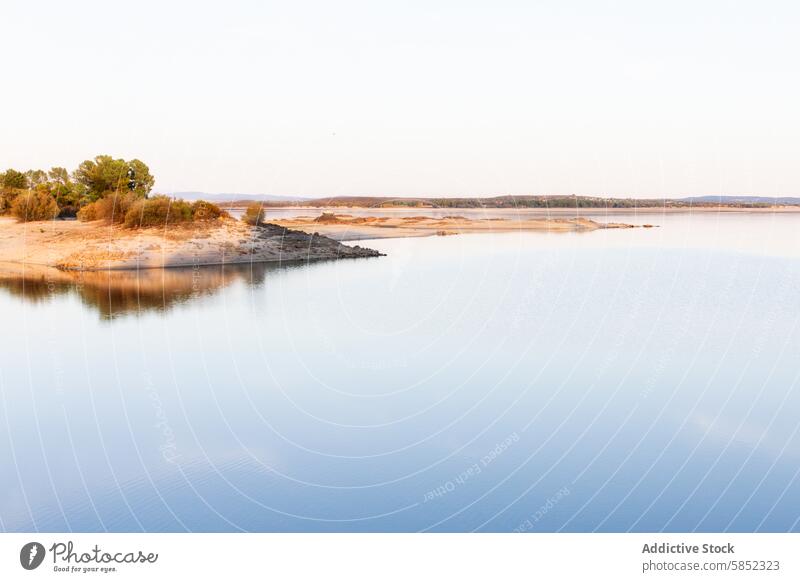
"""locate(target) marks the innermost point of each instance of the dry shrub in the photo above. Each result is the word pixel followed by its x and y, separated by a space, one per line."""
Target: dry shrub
pixel 32 206
pixel 7 196
pixel 202 210
pixel 113 207
pixel 88 213
pixel 254 214
pixel 158 211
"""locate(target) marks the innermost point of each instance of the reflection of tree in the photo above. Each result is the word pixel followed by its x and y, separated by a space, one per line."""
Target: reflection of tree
pixel 115 293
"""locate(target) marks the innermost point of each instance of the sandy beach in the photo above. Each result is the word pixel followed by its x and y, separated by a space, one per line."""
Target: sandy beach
pixel 87 246
pixel 74 245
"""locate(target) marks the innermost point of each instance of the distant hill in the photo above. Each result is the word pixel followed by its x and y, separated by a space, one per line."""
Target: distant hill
pixel 779 200
pixel 231 197
pixel 493 201
pixel 490 202
pixel 551 201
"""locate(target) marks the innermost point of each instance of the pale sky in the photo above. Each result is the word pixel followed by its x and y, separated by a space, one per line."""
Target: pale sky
pixel 412 98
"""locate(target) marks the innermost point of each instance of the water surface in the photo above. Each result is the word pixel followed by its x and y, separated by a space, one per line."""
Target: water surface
pixel 638 380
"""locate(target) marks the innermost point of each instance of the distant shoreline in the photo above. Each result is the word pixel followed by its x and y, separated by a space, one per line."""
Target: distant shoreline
pixel 597 211
pixel 311 233
pixel 347 227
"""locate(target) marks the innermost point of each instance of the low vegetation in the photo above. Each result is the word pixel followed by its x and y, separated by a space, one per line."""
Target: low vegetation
pixel 31 206
pixel 104 188
pixel 254 214
pixel 92 181
pixel 158 211
pixel 111 208
pixel 202 210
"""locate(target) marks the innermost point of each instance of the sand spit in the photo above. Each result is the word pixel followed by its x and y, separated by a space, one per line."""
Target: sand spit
pixel 89 246
pixel 345 227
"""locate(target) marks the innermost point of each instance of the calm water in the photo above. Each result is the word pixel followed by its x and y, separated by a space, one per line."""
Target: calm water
pixel 616 380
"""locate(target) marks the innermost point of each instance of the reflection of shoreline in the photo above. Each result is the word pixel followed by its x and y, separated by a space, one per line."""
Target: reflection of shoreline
pixel 115 293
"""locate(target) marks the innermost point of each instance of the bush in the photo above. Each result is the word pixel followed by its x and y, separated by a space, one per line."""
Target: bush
pixel 112 207
pixel 202 210
pixel 34 206
pixel 7 196
pixel 88 213
pixel 158 211
pixel 254 214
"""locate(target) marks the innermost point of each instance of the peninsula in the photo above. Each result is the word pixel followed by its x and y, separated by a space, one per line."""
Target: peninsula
pixel 102 216
pixel 90 246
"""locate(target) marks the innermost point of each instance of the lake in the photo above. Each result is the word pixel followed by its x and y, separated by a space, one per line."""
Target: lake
pixel 616 380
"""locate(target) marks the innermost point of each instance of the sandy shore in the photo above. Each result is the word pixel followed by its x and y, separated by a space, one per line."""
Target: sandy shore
pixel 74 245
pixel 88 246
pixel 344 227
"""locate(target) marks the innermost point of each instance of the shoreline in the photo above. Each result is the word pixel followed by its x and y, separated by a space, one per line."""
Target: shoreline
pixel 314 233
pixel 570 211
pixel 348 227
pixel 70 245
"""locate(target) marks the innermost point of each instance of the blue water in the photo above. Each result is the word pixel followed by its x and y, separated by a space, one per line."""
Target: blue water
pixel 629 380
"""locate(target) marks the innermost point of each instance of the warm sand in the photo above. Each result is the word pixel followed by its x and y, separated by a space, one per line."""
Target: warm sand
pixel 96 246
pixel 73 245
pixel 345 227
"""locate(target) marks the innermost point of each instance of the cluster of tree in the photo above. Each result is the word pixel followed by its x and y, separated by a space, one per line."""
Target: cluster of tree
pixel 551 202
pixel 39 194
pixel 491 202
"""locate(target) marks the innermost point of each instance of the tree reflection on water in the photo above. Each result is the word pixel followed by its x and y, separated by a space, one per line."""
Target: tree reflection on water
pixel 116 293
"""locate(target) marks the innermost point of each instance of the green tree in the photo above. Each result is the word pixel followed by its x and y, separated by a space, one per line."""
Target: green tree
pixel 14 179
pixel 36 177
pixel 59 176
pixel 106 174
pixel 141 181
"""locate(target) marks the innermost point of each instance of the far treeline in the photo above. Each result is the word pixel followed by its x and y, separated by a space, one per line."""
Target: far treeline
pixel 509 202
pixel 104 188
